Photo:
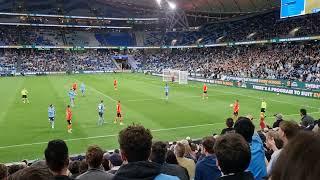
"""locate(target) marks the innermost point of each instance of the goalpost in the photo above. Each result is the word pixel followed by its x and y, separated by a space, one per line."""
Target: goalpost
pixel 173 75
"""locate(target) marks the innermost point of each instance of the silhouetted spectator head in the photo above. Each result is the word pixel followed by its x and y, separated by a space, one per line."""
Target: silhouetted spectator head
pixel 299 158
pixel 83 166
pixel 233 153
pixel 171 158
pixel 135 143
pixel 158 152
pixel 179 150
pixel 14 168
pixel 303 112
pixel 244 127
pixel 115 159
pixel 229 122
pixel 74 167
pixel 57 156
pixel 208 144
pixel 116 151
pixel 3 172
pixel 94 156
pixel 105 161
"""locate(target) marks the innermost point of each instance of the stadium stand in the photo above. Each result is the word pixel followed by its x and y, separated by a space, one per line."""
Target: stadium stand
pixel 241 152
pixel 295 61
pixel 258 27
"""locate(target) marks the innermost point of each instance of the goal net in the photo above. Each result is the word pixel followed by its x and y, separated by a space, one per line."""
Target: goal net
pixel 172 75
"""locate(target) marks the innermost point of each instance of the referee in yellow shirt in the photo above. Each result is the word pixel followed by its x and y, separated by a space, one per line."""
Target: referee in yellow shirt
pixel 24 94
pixel 263 106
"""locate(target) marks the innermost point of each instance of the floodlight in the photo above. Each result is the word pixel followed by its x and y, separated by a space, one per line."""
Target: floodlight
pixel 172 5
pixel 159 2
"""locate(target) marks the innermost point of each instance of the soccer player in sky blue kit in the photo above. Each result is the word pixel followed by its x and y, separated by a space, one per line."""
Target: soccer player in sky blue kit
pixel 166 90
pixel 72 95
pixel 82 88
pixel 101 109
pixel 51 115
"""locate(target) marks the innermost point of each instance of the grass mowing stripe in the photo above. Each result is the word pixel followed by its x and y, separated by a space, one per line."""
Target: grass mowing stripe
pixel 28 123
pixel 113 135
pixel 253 97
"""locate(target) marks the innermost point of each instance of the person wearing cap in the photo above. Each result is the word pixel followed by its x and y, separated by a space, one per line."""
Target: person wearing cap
pixel 278 120
pixel 115 161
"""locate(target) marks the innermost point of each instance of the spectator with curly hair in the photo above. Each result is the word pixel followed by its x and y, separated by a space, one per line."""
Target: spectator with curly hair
pixel 135 145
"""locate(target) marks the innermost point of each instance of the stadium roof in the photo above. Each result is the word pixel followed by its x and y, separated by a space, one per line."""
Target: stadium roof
pixel 134 8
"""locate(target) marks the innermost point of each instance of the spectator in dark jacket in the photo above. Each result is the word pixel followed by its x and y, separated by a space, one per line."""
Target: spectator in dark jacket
pixel 306 120
pixel 57 159
pixel 279 119
pixel 206 168
pixel 257 166
pixel 233 155
pixel 229 123
pixel 94 157
pixel 158 155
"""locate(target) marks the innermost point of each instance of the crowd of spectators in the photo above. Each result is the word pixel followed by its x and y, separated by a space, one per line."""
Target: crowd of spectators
pixel 242 152
pixel 57 60
pixel 294 61
pixel 264 26
pixel 92 61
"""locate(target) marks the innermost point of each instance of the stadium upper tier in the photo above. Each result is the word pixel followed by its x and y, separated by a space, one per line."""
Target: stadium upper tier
pixel 263 26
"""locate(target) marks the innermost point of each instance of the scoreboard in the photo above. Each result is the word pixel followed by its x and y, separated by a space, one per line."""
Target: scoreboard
pixel 290 8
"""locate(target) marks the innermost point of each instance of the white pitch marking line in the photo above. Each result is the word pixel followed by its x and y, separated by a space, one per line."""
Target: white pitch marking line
pixel 109 135
pixel 114 135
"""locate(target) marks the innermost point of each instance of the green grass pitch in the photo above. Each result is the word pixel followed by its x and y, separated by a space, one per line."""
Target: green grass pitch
pixel 25 130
